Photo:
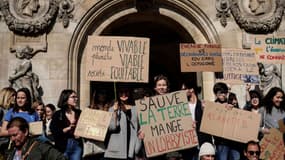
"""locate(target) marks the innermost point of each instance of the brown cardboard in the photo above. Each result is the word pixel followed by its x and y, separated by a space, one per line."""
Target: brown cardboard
pixel 93 124
pixel 117 59
pixel 200 57
pixel 269 48
pixel 272 146
pixel 237 63
pixel 36 128
pixel 166 122
pixel 234 124
pixel 281 125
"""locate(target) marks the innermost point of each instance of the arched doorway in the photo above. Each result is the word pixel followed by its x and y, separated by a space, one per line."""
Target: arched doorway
pixel 165 36
pixel 167 24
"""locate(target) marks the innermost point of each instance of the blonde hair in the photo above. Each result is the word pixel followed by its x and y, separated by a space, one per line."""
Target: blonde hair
pixel 6 100
pixel 36 104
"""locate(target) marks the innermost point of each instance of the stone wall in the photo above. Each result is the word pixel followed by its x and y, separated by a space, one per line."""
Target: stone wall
pixel 53 68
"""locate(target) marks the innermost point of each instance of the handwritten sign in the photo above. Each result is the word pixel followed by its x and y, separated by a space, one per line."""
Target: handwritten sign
pixel 228 123
pixel 240 66
pixel 269 48
pixel 167 123
pixel 36 128
pixel 272 146
pixel 93 124
pixel 200 57
pixel 120 59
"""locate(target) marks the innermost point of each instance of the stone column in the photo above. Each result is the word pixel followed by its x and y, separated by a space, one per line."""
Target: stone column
pixel 208 79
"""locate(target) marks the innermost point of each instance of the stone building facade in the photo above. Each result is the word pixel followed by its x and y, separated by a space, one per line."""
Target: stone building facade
pixel 53 35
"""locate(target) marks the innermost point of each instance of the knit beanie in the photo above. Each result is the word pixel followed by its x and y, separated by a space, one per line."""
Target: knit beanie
pixel 206 149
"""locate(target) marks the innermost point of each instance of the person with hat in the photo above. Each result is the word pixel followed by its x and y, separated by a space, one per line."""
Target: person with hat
pixel 207 152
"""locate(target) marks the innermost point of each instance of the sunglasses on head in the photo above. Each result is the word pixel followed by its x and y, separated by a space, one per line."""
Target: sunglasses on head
pixel 254 152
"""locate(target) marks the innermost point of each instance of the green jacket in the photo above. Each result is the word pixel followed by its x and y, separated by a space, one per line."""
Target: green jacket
pixel 40 151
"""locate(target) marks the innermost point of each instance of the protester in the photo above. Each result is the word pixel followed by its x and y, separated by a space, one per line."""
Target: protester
pixel 25 147
pixel 39 108
pixel 207 152
pixel 273 109
pixel 251 150
pixel 226 149
pixel 253 100
pixel 63 125
pixel 49 110
pixel 123 141
pixel 22 108
pixel 7 101
pixel 232 99
pixel 195 107
pixel 100 100
pixel 94 149
pixel 161 83
pixel 161 87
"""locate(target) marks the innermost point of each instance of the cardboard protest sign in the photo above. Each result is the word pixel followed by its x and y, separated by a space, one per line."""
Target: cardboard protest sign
pixel 200 57
pixel 36 128
pixel 228 123
pixel 272 146
pixel 240 66
pixel 269 48
pixel 93 124
pixel 281 125
pixel 117 59
pixel 167 123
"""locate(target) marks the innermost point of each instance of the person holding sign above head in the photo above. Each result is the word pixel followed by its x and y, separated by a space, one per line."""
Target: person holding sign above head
pixel 251 150
pixel 273 109
pixel 207 151
pixel 123 132
pixel 253 100
pixel 27 148
pixel 226 149
pixel 195 107
pixel 63 123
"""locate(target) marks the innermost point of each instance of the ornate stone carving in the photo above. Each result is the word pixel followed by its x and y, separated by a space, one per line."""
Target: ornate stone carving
pixel 223 7
pixel 65 9
pixel 262 17
pixel 28 17
pixel 37 43
pixel 23 76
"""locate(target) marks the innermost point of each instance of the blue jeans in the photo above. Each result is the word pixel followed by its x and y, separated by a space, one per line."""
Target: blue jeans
pixel 73 149
pixel 226 153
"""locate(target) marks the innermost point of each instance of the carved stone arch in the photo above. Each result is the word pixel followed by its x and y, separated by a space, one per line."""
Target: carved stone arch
pixel 103 13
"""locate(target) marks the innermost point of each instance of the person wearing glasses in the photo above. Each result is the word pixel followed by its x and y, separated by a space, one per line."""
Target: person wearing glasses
pixel 63 123
pixel 252 150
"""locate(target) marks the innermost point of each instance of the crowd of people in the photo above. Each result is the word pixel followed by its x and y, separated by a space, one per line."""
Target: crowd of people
pixel 124 139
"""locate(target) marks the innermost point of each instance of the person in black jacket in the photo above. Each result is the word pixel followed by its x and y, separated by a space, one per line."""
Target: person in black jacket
pixel 63 125
pixel 195 106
